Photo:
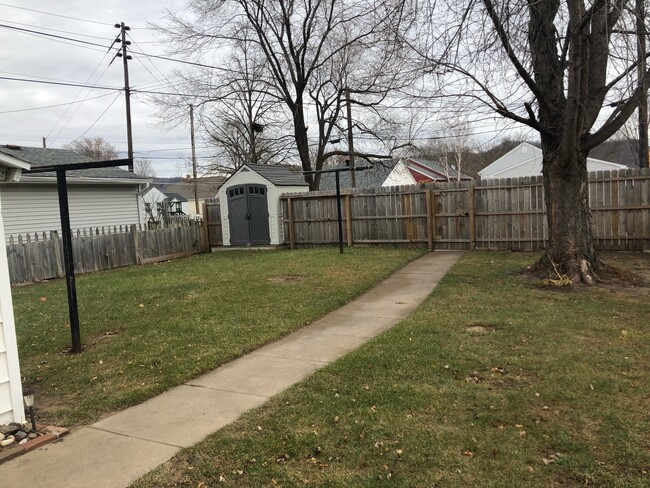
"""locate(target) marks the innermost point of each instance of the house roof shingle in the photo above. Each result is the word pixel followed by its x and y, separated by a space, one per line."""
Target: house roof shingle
pixel 38 157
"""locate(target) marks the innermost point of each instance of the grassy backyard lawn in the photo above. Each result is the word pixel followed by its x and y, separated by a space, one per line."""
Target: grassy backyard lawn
pixel 148 328
pixel 492 382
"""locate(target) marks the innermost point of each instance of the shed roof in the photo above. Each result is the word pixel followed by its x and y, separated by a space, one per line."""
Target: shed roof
pixel 38 157
pixel 279 175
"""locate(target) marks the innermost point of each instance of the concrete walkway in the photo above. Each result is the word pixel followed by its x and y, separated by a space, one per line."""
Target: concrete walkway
pixel 114 452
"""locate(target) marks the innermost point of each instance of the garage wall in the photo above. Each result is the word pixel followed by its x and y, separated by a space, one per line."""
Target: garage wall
pixel 34 207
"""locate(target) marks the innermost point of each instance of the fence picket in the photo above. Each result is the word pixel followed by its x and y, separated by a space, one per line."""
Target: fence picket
pixel 35 258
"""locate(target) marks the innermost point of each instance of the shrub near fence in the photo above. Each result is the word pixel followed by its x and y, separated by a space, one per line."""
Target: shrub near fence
pixel 507 214
pixel 37 257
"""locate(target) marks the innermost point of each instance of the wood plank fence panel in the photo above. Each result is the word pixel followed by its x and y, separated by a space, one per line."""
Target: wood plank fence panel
pixel 36 258
pixel 483 214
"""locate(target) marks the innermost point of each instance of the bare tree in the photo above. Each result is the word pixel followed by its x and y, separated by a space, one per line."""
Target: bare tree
pixel 246 121
pixel 143 167
pixel 304 46
pixel 96 148
pixel 451 147
pixel 555 67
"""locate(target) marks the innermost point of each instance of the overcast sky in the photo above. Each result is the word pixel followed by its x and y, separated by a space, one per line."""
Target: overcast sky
pixel 32 56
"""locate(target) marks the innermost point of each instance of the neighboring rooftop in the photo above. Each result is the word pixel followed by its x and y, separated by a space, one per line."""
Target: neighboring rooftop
pixel 176 197
pixel 426 171
pixel 526 160
pixel 369 178
pixel 207 187
pixel 39 157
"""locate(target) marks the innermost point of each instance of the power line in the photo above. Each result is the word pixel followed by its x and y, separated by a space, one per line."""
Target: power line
pixel 60 83
pixel 53 30
pixel 54 106
pixel 97 119
pixel 77 95
pixel 55 36
pixel 55 15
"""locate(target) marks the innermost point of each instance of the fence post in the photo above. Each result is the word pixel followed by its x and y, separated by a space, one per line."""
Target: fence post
pixel 136 243
pixel 292 231
pixel 348 218
pixel 206 228
pixel 56 247
pixel 430 222
pixel 471 213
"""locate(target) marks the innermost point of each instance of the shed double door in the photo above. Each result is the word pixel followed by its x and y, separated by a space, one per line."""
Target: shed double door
pixel 248 215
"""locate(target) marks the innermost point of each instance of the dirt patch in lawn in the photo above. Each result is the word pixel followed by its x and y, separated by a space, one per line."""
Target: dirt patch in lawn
pixel 287 279
pixel 479 329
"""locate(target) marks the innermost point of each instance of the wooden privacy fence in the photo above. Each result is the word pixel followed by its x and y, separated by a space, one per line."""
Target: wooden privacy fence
pixel 480 214
pixel 37 257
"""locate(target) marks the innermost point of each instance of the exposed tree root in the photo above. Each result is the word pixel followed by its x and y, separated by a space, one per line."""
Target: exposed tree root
pixel 570 271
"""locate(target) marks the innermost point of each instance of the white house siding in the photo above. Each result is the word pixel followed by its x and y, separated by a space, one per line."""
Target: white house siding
pixel 34 207
pixel 11 404
pixel 400 175
pixel 273 193
pixel 526 160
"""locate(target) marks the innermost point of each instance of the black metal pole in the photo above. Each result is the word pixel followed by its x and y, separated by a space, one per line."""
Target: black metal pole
pixel 31 416
pixel 338 211
pixel 62 186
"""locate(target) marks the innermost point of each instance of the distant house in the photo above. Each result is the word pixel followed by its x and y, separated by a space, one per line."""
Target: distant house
pixel 97 197
pixel 11 393
pixel 177 204
pixel 526 160
pixel 206 189
pixel 411 171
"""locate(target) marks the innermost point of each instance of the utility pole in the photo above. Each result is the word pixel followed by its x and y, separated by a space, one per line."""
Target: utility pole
pixel 44 143
pixel 350 138
pixel 196 191
pixel 641 68
pixel 127 89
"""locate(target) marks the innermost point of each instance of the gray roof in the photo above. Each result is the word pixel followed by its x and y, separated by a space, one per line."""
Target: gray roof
pixel 207 187
pixel 279 175
pixel 369 178
pixel 38 157
pixel 175 196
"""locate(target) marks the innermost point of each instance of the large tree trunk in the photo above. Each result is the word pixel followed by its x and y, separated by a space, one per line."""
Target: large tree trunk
pixel 302 145
pixel 570 248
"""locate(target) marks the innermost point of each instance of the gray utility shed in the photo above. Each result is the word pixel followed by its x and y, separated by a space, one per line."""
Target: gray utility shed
pixel 251 214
